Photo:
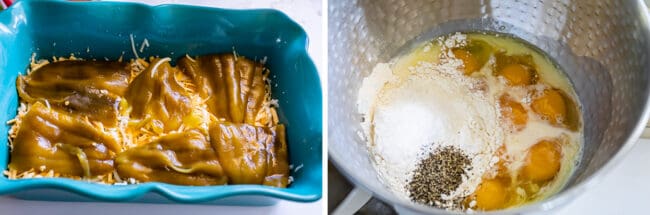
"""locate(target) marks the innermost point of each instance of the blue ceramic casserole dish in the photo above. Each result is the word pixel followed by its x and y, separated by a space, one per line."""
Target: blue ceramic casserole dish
pixel 98 30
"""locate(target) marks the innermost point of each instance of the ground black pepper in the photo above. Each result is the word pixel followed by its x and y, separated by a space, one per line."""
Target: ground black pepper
pixel 439 173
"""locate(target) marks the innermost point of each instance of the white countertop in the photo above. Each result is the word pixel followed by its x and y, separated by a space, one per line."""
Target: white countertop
pixel 11 206
pixel 623 190
pixel 308 14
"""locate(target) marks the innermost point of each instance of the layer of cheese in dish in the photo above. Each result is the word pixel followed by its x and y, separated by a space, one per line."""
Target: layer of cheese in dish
pixel 208 120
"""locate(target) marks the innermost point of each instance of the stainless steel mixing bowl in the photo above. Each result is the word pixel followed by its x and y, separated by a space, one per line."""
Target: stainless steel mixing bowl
pixel 603 46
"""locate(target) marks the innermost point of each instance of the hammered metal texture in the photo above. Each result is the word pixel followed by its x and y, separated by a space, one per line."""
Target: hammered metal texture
pixel 602 46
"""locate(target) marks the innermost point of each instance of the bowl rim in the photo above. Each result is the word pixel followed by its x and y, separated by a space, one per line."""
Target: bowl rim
pixel 176 193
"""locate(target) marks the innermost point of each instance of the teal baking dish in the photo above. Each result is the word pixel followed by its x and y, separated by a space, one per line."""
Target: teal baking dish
pixel 99 30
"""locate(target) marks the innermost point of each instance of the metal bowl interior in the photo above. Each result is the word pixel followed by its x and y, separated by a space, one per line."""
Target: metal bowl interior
pixel 602 46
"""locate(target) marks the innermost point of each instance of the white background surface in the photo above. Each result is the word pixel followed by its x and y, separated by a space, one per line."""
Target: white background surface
pixel 624 190
pixel 308 14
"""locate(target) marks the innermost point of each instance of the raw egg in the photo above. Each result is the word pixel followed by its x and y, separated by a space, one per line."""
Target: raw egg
pixel 513 111
pixel 517 74
pixel 470 63
pixel 491 195
pixel 542 162
pixel 550 106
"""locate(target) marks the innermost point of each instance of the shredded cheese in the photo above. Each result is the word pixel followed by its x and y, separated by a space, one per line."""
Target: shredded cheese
pixel 144 44
pixel 123 132
pixel 133 47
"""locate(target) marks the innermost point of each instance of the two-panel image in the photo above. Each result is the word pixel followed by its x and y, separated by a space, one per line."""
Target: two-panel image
pixel 324 107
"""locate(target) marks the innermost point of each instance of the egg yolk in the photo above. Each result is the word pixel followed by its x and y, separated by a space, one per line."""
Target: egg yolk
pixel 550 106
pixel 542 161
pixel 514 112
pixel 491 195
pixel 517 74
pixel 470 63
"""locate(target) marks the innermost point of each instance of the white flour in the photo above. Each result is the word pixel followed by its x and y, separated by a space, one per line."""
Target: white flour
pixel 434 105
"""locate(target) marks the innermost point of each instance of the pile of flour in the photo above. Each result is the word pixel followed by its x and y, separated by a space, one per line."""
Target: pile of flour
pixel 434 105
